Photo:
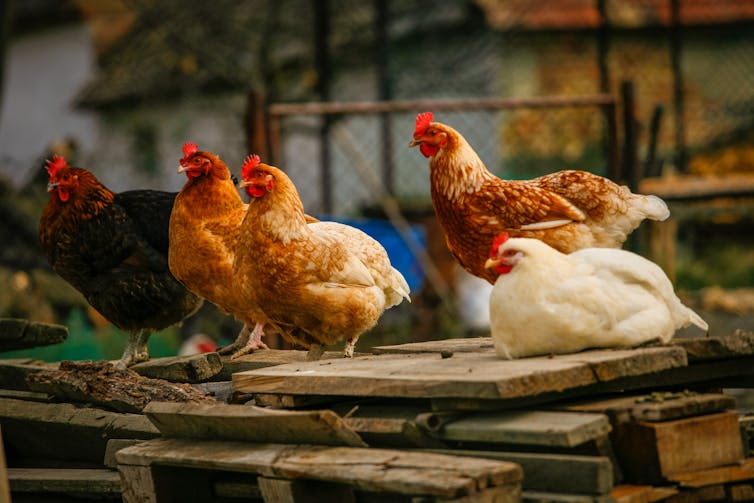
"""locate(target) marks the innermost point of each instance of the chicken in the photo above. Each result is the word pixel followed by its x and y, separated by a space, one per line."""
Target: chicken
pixel 204 227
pixel 113 249
pixel 547 302
pixel 315 283
pixel 568 210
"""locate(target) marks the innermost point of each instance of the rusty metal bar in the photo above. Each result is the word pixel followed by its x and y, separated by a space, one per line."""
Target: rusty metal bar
pixel 332 108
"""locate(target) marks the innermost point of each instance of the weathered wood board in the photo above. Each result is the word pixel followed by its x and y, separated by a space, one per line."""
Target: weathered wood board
pixel 657 406
pixel 251 424
pixel 13 372
pixel 378 470
pixel 544 497
pixel 443 346
pixel 4 486
pixel 188 369
pixel 464 375
pixel 64 431
pixel 102 384
pixel 560 473
pixel 269 358
pixel 738 344
pixel 650 452
pixel 64 480
pixel 743 470
pixel 17 333
pixel 543 428
pixel 641 494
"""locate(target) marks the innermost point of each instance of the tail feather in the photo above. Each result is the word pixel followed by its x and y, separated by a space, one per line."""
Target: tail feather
pixel 398 289
pixel 656 209
pixel 697 320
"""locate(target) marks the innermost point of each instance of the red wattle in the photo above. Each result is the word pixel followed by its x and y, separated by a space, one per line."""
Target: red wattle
pixel 503 268
pixel 63 195
pixel 255 191
pixel 428 150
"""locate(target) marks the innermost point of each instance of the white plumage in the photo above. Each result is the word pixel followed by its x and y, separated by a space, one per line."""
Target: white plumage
pixel 547 302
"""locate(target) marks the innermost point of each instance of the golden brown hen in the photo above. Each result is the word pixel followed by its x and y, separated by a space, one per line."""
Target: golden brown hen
pixel 568 210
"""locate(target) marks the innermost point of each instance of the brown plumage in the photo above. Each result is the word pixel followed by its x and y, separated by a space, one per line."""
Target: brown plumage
pixel 204 228
pixel 568 210
pixel 113 249
pixel 316 283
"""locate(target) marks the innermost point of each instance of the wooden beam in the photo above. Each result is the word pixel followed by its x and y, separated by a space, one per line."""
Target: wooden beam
pixel 251 424
pixel 546 472
pixel 13 372
pixel 64 480
pixel 743 470
pixel 543 428
pixel 100 383
pixel 268 358
pixel 303 491
pixel 657 406
pixel 652 452
pixel 64 431
pixel 444 346
pixel 464 375
pixel 189 369
pixel 375 470
pixel 17 333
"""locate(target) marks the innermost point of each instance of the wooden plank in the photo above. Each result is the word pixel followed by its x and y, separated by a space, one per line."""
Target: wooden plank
pixel 269 358
pixel 389 425
pixel 545 472
pixel 442 346
pixel 64 480
pixel 553 429
pixel 64 431
pixel 137 483
pixel 737 344
pixel 545 497
pixel 251 424
pixel 189 369
pixel 743 470
pixel 100 383
pixel 292 401
pixel 17 333
pixel 657 406
pixel 378 470
pixel 13 372
pixel 651 452
pixel 25 395
pixel 219 390
pixel 740 492
pixel 641 494
pixel 114 445
pixel 303 491
pixel 465 375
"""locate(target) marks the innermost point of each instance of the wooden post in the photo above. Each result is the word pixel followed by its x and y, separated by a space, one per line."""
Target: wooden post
pixel 653 168
pixel 678 103
pixel 630 168
pixel 324 70
pixel 255 125
pixel 385 91
pixel 138 484
pixel 303 491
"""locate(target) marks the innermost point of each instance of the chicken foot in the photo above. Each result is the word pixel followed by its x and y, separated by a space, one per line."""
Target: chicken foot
pixel 253 342
pixel 241 340
pixel 136 351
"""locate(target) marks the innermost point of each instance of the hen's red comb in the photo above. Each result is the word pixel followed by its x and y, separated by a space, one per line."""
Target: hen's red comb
pixel 498 242
pixel 189 148
pixel 53 166
pixel 251 162
pixel 422 123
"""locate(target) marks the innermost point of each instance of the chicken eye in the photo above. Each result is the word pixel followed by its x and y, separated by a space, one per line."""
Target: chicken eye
pixel 65 177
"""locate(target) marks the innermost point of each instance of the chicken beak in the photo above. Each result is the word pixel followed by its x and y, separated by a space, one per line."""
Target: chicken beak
pixel 243 183
pixel 182 168
pixel 51 186
pixel 492 262
pixel 415 142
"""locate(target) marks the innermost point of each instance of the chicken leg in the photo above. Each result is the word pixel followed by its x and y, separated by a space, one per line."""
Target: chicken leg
pixel 136 351
pixel 254 342
pixel 240 342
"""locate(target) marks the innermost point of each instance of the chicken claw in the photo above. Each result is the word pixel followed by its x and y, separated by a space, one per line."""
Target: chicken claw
pixel 136 351
pixel 253 343
pixel 241 340
pixel 315 352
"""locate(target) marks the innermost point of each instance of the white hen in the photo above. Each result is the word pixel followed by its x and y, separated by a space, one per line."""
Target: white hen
pixel 547 302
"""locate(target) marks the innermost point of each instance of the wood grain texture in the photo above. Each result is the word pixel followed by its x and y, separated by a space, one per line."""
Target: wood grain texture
pixel 190 369
pixel 64 480
pixel 378 470
pixel 464 375
pixel 251 424
pixel 657 406
pixel 269 358
pixel 466 345
pixel 18 333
